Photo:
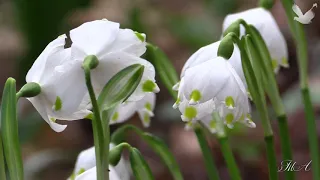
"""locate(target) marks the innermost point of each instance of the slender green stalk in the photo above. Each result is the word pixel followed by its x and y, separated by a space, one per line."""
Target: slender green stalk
pixel 285 143
pixel 207 155
pixel 297 30
pixel 229 158
pixel 261 60
pixel 271 155
pixel 257 92
pixel 101 148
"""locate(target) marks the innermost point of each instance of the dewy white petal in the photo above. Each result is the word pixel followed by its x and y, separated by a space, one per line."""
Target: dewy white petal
pixel 127 41
pixel 95 37
pixel 208 78
pixel 267 26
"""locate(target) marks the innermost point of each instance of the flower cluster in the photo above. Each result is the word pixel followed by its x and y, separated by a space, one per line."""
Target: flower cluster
pixel 58 70
pixel 212 85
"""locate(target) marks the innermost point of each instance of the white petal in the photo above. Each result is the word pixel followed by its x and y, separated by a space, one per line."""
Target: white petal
pixel 208 78
pixel 44 64
pixel 145 108
pixel 268 28
pixel 95 37
pixel 123 112
pixel 127 41
pixel 86 160
pixel 202 110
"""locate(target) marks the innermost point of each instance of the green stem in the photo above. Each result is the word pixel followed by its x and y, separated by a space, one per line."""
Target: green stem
pixel 312 133
pixel 261 59
pixel 101 148
pixel 229 158
pixel 207 155
pixel 297 29
pixel 285 143
pixel 271 155
pixel 257 92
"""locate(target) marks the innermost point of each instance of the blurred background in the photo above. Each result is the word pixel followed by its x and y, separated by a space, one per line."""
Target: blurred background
pixel 179 27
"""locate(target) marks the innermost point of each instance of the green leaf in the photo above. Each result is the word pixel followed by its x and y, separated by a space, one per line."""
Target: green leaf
pixel 120 86
pixel 139 166
pixel 9 131
pixel 164 67
pixel 157 145
pixel 2 161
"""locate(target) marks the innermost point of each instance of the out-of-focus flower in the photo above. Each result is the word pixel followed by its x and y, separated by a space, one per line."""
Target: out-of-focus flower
pixel 210 84
pixel 58 69
pixel 86 167
pixel 91 174
pixel 143 107
pixel 264 22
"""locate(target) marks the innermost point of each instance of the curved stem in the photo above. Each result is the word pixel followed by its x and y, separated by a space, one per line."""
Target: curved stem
pixel 229 158
pixel 207 155
pixel 101 148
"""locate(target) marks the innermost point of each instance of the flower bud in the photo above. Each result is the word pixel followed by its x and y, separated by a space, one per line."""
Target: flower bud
pixel 226 47
pixel 31 89
pixel 115 153
pixel 91 62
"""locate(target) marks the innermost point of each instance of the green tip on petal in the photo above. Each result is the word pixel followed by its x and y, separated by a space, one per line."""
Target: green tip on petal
pixel 148 106
pixel 195 95
pixel 229 118
pixel 53 119
pixel 274 64
pixel 190 112
pixel 82 170
pixel 146 118
pixel 150 86
pixel 229 102
pixel 58 104
pixel 140 36
pixel 89 116
pixel 213 124
pixel 284 62
pixel 115 116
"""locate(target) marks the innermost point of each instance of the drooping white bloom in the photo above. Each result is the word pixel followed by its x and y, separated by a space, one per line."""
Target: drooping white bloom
pixel 211 84
pixel 263 20
pixel 143 107
pixel 86 163
pixel 58 69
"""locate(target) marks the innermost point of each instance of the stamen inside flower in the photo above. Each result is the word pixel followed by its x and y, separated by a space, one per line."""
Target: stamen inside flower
pixel 58 104
pixel 229 102
pixel 190 112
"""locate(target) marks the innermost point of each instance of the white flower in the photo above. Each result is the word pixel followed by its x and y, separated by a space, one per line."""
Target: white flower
pixel 86 162
pixel 58 69
pixel 144 107
pixel 263 20
pixel 91 174
pixel 209 84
